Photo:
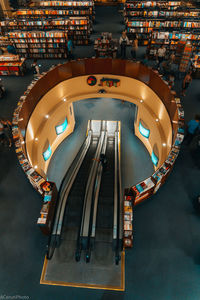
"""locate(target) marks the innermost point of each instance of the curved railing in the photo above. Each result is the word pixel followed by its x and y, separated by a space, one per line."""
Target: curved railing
pixel 40 86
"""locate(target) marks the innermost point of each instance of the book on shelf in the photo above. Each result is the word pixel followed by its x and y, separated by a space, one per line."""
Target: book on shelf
pixel 45 208
pixel 179 139
pixel 128 225
pixel 41 221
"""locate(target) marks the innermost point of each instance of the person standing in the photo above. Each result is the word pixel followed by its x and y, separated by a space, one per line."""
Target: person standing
pixel 193 128
pixel 35 67
pixel 134 47
pixel 186 82
pixel 161 54
pixel 5 128
pixel 123 41
pixel 70 48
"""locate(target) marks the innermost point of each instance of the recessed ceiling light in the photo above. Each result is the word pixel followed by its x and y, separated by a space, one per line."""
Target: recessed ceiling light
pixel 141 101
pixel 47 116
pixel 64 99
pixel 157 120
pixel 36 139
pixel 35 167
pixel 23 142
pixel 164 144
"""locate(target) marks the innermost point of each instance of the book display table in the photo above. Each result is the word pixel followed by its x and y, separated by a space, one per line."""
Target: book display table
pixel 12 65
pixel 105 46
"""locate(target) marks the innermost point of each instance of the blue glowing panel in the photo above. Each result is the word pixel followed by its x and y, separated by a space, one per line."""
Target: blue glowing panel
pixel 145 132
pixel 61 128
pixel 46 154
pixel 154 159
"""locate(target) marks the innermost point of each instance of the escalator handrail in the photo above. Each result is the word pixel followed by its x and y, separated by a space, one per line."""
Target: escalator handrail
pixel 115 190
pixel 95 196
pixel 117 249
pixel 97 188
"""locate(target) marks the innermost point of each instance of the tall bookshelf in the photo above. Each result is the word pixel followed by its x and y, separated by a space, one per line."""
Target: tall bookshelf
pixel 142 18
pixel 171 39
pixel 42 32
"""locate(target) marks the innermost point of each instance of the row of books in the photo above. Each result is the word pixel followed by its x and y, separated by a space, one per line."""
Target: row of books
pixel 143 4
pixel 161 24
pixel 43 55
pixel 37 34
pixel 54 22
pixel 35 178
pixel 42 12
pixel 128 204
pixel 174 36
pixel 45 188
pixel 168 14
pixel 67 3
pixel 9 58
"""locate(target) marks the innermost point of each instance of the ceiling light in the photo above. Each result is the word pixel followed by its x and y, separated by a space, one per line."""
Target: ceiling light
pixel 157 120
pixel 141 101
pixel 47 116
pixel 164 144
pixel 36 139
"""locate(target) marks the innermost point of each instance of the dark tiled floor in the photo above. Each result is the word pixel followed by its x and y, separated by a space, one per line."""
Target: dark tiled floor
pixel 165 261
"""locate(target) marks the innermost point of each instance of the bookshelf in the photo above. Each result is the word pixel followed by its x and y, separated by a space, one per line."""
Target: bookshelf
pixel 128 208
pixel 46 38
pixel 171 39
pixel 142 18
pixel 151 185
pixel 183 55
pixel 41 31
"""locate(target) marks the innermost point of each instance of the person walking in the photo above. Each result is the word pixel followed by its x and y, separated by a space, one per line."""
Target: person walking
pixel 193 128
pixel 186 82
pixel 35 67
pixel 123 41
pixel 134 47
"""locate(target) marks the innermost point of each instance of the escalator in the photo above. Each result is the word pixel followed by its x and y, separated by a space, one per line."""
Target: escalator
pixel 105 210
pixel 74 207
pixel 69 207
pixel 104 238
pixel 88 212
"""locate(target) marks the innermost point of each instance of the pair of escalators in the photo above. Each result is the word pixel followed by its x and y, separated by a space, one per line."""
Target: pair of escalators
pixel 89 197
